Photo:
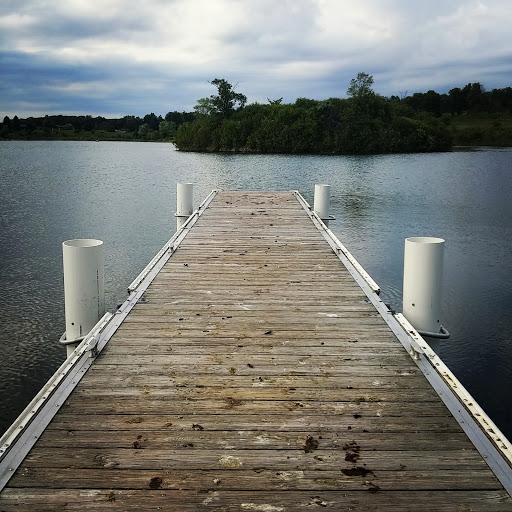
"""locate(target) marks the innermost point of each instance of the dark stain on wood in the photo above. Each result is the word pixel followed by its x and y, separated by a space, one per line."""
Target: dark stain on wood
pixel 311 444
pixel 155 483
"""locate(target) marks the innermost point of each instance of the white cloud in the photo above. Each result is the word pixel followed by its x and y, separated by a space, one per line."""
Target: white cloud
pixel 453 36
pixel 16 20
pixel 354 24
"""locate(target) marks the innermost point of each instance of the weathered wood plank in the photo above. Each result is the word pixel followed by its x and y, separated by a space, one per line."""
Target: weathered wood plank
pixel 345 353
pixel 350 394
pixel 278 293
pixel 252 361
pixel 255 480
pixel 373 340
pixel 274 460
pixel 127 401
pixel 369 499
pixel 247 335
pixel 300 366
pixel 314 322
pixel 396 382
pixel 134 436
pixel 214 267
pixel 228 422
pixel 251 310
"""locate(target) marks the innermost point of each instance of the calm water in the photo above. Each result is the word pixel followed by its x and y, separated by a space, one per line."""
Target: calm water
pixel 124 194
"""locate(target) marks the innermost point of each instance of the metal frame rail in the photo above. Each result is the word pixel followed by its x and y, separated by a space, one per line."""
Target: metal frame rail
pixel 19 439
pixel 481 430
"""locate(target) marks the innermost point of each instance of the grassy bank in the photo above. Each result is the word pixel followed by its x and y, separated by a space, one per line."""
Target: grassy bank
pixel 481 129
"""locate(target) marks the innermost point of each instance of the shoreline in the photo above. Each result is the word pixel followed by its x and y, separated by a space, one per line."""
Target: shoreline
pixel 454 149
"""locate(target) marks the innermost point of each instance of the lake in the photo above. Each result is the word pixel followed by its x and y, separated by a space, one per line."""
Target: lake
pixel 124 194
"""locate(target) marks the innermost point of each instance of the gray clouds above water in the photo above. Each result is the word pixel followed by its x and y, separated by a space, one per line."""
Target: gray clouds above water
pixel 118 57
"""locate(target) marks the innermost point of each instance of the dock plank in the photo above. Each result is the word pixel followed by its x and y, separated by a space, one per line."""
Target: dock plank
pixel 368 498
pixel 262 479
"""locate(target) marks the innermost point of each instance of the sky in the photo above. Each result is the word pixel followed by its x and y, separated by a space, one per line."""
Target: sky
pixel 133 57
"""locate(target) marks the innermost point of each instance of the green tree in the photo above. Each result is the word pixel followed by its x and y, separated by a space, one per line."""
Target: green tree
pixel 366 105
pixel 474 94
pixel 88 124
pixel 205 107
pixel 152 121
pixel 179 117
pixel 456 101
pixel 226 101
pixel 167 129
pixel 361 86
pixel 130 123
pixel 144 130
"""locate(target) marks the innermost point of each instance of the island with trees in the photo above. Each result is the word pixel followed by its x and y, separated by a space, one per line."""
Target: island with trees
pixel 363 123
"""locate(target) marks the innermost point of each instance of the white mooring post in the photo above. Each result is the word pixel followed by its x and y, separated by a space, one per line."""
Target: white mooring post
pixel 84 288
pixel 322 202
pixel 423 272
pixel 184 203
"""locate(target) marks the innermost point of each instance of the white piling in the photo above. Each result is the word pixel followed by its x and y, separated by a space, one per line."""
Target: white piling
pixel 184 203
pixel 322 202
pixel 84 288
pixel 423 272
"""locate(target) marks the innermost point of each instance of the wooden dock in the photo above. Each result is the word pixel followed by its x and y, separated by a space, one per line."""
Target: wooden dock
pixel 254 375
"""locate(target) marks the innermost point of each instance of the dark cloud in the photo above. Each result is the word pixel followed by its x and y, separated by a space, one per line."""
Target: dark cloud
pixel 49 87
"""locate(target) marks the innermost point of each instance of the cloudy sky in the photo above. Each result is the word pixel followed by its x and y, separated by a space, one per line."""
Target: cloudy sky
pixel 120 57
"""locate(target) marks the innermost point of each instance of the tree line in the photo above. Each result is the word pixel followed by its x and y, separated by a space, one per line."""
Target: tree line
pixel 472 98
pixel 365 122
pixel 150 127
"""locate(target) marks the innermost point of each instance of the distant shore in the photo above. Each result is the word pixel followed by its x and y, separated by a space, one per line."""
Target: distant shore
pixel 468 130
